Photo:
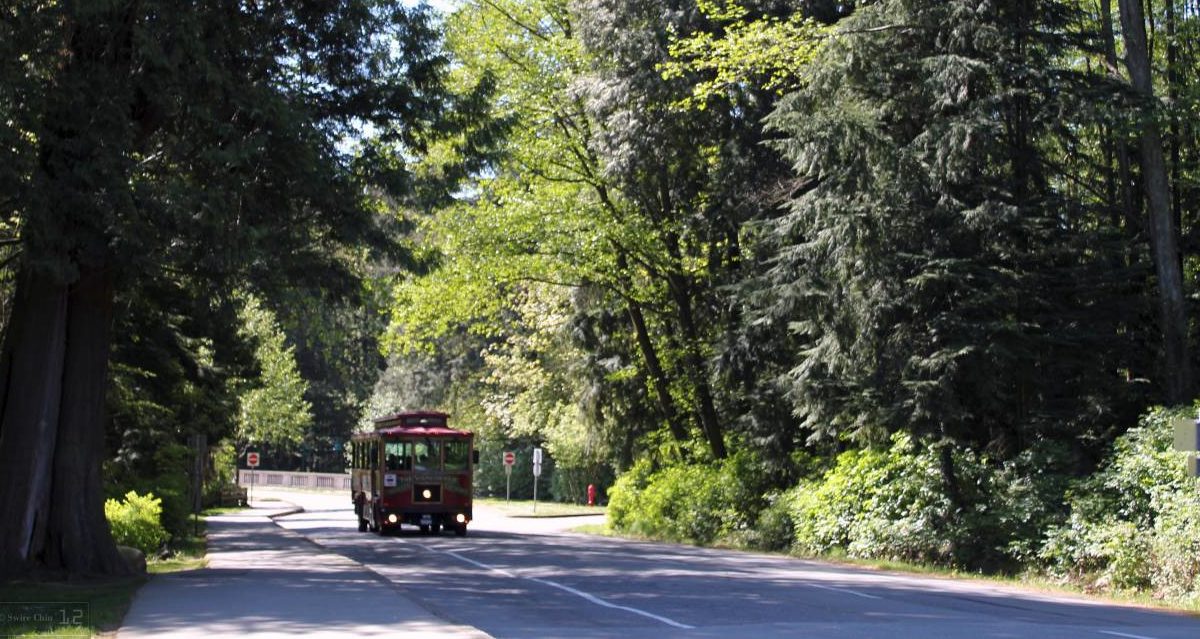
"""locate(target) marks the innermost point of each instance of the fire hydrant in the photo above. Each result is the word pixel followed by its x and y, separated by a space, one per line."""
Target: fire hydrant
pixel 591 494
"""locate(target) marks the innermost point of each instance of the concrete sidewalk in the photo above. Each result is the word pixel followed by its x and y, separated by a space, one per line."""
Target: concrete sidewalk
pixel 263 581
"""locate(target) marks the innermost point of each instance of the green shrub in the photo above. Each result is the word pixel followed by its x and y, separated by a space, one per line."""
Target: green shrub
pixel 1135 523
pixel 135 521
pixel 490 478
pixel 165 473
pixel 623 502
pixel 775 529
pixel 827 511
pixel 1028 497
pixel 222 476
pixel 893 504
pixel 697 503
pixel 172 485
pixel 1174 555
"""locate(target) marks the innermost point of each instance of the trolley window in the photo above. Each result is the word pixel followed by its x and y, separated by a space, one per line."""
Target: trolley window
pixel 398 455
pixel 427 454
pixel 458 454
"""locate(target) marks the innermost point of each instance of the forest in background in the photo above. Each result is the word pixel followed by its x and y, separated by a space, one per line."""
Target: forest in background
pixel 890 280
pixel 899 279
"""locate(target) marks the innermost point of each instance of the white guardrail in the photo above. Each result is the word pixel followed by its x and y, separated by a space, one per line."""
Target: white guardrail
pixel 284 479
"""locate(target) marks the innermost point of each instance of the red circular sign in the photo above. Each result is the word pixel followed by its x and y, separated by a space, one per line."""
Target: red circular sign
pixel 510 458
pixel 252 460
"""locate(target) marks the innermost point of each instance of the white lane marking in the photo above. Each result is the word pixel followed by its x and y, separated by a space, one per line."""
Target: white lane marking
pixel 600 602
pixel 478 563
pixel 1122 634
pixel 578 593
pixel 845 591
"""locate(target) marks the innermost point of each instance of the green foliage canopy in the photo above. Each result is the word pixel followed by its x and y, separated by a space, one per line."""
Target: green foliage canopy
pixel 273 411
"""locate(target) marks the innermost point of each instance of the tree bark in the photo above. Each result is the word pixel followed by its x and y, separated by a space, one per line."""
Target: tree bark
pixel 658 376
pixel 697 372
pixel 662 386
pixel 34 351
pixel 79 540
pixel 1124 173
pixel 1164 240
pixel 51 496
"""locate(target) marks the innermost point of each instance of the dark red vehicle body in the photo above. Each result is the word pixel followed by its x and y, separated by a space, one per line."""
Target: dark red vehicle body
pixel 413 469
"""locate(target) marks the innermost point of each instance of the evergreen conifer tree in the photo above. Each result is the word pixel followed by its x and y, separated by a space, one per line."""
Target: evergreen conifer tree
pixel 938 277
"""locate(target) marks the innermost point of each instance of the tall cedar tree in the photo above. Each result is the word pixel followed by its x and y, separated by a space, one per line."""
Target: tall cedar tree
pixel 160 136
pixel 1161 217
pixel 937 277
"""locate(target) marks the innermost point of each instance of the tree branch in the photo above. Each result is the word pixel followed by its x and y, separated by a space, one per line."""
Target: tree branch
pixel 513 19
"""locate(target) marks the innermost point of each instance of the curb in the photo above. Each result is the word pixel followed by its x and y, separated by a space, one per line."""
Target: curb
pixel 294 510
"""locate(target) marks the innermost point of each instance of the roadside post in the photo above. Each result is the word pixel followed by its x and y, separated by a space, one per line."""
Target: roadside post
pixel 510 458
pixel 251 463
pixel 537 472
pixel 1187 438
pixel 199 445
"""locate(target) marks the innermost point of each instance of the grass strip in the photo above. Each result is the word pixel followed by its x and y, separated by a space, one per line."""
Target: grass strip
pixel 71 609
pixel 525 508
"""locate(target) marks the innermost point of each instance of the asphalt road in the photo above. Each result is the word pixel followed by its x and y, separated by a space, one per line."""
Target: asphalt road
pixel 526 578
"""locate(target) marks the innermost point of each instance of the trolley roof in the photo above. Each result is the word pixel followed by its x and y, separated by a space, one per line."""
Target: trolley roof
pixel 417 423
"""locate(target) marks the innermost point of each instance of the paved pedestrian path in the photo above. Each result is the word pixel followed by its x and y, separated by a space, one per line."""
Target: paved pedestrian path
pixel 263 581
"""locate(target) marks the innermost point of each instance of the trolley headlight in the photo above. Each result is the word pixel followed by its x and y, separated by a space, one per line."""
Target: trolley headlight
pixel 461 518
pixel 427 494
pixel 392 518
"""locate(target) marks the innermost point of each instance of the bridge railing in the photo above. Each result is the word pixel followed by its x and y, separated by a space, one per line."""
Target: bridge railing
pixel 284 479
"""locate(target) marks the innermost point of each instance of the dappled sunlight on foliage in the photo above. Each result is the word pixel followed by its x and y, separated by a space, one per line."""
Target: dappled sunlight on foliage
pixel 1134 523
pixel 135 522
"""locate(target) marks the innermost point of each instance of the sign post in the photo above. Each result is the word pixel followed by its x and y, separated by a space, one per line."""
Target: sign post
pixel 537 472
pixel 510 458
pixel 1187 438
pixel 199 447
pixel 251 462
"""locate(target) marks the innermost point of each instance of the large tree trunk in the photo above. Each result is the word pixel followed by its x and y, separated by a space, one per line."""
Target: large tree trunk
pixel 34 350
pixel 1163 235
pixel 78 540
pixel 51 497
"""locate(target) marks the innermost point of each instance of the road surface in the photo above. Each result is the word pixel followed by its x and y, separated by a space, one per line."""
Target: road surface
pixel 524 578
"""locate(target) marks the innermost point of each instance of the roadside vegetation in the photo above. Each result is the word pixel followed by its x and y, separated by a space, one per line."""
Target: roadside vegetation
pixel 1129 529
pixel 885 281
pixel 889 280
pixel 526 508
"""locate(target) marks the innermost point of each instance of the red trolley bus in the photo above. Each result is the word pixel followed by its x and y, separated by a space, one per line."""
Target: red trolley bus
pixel 413 469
